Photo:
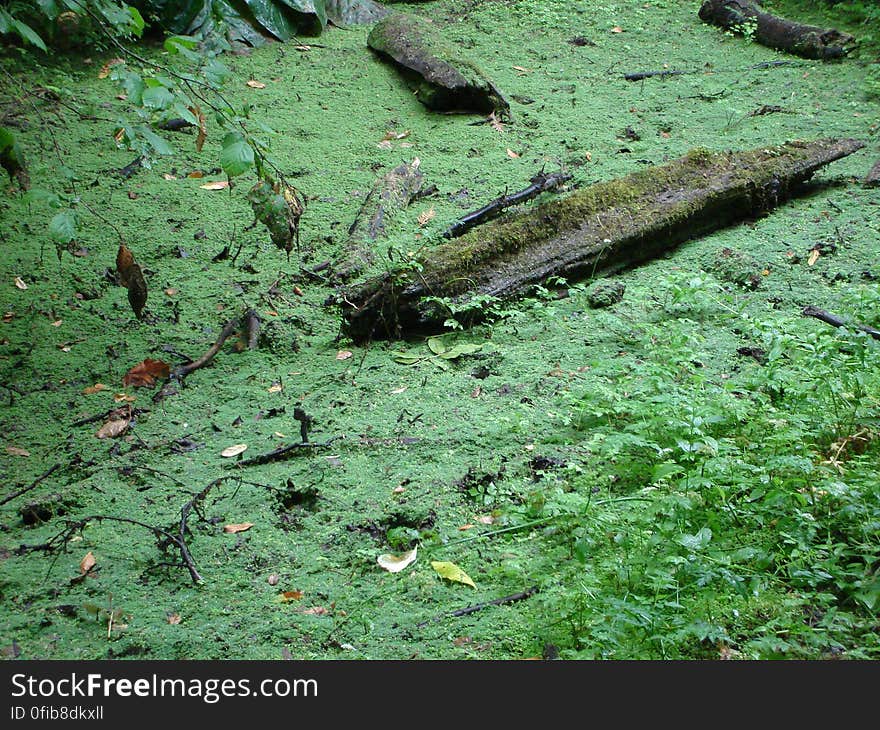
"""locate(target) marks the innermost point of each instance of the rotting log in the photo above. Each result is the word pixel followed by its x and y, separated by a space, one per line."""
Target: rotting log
pixel 390 194
pixel 444 78
pixel 745 17
pixel 601 228
pixel 872 179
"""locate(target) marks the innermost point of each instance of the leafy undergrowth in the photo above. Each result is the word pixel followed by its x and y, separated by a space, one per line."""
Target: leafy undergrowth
pixel 691 472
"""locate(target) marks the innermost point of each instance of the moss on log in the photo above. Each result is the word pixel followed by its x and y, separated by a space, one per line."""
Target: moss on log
pixel 746 17
pixel 445 79
pixel 604 227
pixel 390 194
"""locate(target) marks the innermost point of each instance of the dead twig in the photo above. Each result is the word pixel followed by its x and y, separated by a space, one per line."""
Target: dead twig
pixel 28 488
pixel 480 606
pixel 836 321
pixel 282 452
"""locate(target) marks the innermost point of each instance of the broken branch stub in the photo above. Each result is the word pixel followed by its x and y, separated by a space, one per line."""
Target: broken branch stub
pixel 445 79
pixel 390 194
pixel 745 17
pixel 604 227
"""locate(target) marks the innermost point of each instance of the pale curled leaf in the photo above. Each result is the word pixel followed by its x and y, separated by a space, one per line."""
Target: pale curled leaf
pixel 235 450
pixel 87 563
pixel 452 572
pixel 238 527
pixel 396 563
pixel 113 428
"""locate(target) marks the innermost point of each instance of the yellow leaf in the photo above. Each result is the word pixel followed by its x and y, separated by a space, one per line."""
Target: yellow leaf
pixel 814 257
pixel 238 527
pixel 452 572
pixel 396 563
pixel 96 388
pixel 215 185
pixel 256 84
pixel 233 450
pixel 289 596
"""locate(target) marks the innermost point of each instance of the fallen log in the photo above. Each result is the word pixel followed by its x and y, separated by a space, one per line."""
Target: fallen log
pixel 835 321
pixel 746 17
pixel 390 194
pixel 873 177
pixel 604 227
pixel 444 79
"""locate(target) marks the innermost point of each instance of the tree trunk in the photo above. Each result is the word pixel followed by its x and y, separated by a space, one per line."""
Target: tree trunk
pixel 746 17
pixel 604 227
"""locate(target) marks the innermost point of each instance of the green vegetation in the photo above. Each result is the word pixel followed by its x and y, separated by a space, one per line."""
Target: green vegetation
pixel 690 471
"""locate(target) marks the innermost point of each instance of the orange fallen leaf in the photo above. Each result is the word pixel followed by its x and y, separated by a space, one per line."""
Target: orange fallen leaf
pixel 113 428
pixel 87 563
pixel 238 527
pixel 426 216
pixel 297 291
pixel 105 69
pixel 344 354
pixel 466 527
pixel 195 174
pixel 146 373
pixel 203 127
pixel 15 451
pixel 215 185
pixel 289 596
pixel 96 388
pixel 256 84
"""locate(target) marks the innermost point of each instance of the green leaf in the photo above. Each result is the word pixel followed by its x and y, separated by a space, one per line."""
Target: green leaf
pixel 216 72
pixel 184 45
pixel 28 34
pixel 7 139
pixel 464 348
pixel 272 17
pixel 136 24
pixel 435 345
pixel 236 158
pixel 353 12
pixel 5 21
pixel 157 97
pixel 309 7
pixel 43 197
pixel 63 226
pixel 442 364
pixel 698 541
pixel 452 572
pixel 664 470
pixel 155 141
pixel 404 359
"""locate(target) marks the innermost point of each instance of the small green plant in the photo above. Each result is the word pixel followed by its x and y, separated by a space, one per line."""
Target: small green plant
pixel 441 352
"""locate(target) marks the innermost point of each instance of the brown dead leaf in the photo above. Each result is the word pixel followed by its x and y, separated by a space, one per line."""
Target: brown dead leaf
pixel 344 354
pixel 203 127
pixel 426 216
pixel 123 398
pixel 238 527
pixel 105 69
pixel 8 317
pixel 256 84
pixel 468 526
pixel 511 154
pixel 173 618
pixel 485 519
pixel 113 428
pixel 316 611
pixel 495 122
pixel 617 29
pixel 196 174
pixel 96 388
pixel 124 262
pixel 556 372
pixel 289 596
pixel 146 373
pixel 302 47
pixel 87 563
pixel 15 451
pixel 170 291
pixel 297 291
pixel 384 145
pixel 215 185
pixel 276 388
pixel 169 176
pixel 273 579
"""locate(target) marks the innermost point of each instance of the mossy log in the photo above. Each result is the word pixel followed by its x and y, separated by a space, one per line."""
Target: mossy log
pixel 601 228
pixel 872 179
pixel 390 194
pixel 746 17
pixel 444 78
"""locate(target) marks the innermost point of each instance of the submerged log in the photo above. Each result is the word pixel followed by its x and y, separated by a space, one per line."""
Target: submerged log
pixel 745 17
pixel 604 227
pixel 390 194
pixel 445 79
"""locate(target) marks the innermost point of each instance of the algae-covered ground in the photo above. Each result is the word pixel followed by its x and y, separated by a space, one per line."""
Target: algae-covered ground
pixel 690 472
